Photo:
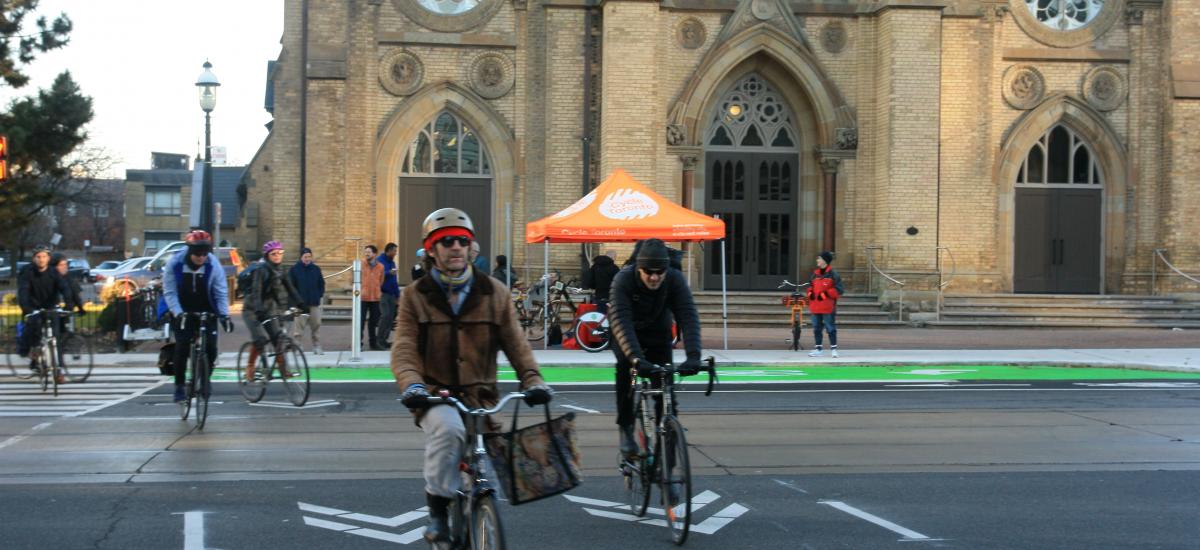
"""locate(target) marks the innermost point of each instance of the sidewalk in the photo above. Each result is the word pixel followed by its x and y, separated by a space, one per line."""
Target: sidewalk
pixel 1166 359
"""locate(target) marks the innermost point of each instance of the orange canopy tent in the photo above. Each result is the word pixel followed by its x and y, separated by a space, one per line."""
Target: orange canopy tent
pixel 622 210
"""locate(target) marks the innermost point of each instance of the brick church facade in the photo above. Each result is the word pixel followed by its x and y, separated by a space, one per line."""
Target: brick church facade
pixel 1030 145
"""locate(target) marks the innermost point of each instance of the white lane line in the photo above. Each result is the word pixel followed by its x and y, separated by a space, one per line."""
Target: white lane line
pixel 279 405
pixel 403 538
pixel 321 509
pixel 386 522
pixel 193 530
pixel 903 531
pixel 790 486
pixel 17 438
pixel 134 395
pixel 326 524
pixel 611 515
pixel 583 409
pixel 956 385
pixel 593 501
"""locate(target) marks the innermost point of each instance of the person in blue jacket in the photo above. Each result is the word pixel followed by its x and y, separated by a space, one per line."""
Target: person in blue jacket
pixel 193 282
pixel 310 285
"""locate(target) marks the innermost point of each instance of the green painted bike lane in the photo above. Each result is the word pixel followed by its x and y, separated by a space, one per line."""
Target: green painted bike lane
pixel 581 374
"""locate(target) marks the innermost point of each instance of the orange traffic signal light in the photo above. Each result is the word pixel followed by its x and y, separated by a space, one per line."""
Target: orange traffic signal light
pixel 3 158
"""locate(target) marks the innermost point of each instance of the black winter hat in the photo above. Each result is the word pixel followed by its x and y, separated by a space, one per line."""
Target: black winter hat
pixel 827 256
pixel 653 255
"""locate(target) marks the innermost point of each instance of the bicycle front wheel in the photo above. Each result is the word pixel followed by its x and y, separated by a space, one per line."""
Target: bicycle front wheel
pixel 296 381
pixel 636 470
pixel 201 386
pixel 52 370
pixel 486 531
pixel 676 481
pixel 590 332
pixel 252 390
pixel 532 324
pixel 75 351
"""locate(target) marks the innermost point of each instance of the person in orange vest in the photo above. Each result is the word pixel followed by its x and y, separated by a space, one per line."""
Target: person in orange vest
pixel 823 292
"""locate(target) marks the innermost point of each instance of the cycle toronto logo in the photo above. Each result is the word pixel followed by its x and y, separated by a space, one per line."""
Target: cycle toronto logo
pixel 627 204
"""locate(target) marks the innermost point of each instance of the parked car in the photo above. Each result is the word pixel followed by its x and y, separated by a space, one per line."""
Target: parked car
pixel 80 270
pixel 6 272
pixel 104 268
pixel 127 282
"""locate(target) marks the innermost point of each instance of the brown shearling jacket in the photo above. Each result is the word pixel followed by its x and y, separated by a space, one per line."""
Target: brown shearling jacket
pixel 458 352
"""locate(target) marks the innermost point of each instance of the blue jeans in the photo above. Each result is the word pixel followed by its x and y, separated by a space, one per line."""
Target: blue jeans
pixel 826 322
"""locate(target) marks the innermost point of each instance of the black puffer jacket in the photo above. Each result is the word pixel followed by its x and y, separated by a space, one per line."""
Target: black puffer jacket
pixel 269 285
pixel 638 314
pixel 600 276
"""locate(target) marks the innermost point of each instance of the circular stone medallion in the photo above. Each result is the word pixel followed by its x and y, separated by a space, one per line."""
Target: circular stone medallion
pixel 1023 86
pixel 491 75
pixel 690 33
pixel 834 37
pixel 400 72
pixel 1104 88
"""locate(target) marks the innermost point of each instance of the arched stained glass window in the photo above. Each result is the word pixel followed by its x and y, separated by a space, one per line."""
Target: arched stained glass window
pixel 1059 157
pixel 752 115
pixel 446 146
pixel 1065 15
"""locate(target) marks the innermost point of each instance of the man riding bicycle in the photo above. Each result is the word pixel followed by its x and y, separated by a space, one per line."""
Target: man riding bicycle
pixel 194 282
pixel 646 297
pixel 38 287
pixel 451 324
pixel 271 292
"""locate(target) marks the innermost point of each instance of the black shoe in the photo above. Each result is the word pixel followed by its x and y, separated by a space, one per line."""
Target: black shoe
pixel 629 446
pixel 439 523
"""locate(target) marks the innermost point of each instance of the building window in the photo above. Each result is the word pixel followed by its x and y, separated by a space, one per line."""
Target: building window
pixel 1059 158
pixel 162 202
pixel 157 240
pixel 100 211
pixel 1065 15
pixel 70 210
pixel 449 7
pixel 446 146
pixel 751 115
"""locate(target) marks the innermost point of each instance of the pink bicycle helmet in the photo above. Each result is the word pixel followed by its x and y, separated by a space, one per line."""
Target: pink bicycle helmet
pixel 272 245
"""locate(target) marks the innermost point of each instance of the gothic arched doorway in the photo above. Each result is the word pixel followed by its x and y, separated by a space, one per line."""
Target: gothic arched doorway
pixel 444 166
pixel 1059 216
pixel 752 172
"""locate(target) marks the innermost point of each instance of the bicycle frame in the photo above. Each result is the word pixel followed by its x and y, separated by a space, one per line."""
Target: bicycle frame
pixel 48 348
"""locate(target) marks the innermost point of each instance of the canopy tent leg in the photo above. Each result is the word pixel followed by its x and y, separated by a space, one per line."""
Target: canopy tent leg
pixel 546 302
pixel 724 299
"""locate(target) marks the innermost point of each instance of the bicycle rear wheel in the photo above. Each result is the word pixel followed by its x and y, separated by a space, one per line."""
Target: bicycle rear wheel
pixel 53 372
pixel 77 358
pixel 531 324
pixel 297 386
pixel 486 531
pixel 676 481
pixel 252 390
pixel 590 332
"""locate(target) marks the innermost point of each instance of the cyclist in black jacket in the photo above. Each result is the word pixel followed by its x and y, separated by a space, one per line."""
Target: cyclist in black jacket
pixel 645 298
pixel 38 287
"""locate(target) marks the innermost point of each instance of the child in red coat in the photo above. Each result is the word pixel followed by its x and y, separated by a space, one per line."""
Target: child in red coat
pixel 823 293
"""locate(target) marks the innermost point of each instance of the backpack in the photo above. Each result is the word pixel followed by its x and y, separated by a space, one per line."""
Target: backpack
pixel 246 277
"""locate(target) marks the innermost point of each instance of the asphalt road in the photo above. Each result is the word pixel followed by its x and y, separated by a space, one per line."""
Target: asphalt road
pixel 1066 464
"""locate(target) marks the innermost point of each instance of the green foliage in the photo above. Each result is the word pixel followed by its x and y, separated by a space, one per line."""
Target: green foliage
pixel 50 35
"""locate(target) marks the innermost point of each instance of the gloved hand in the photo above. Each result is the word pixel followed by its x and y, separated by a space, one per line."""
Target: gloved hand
pixel 538 395
pixel 645 368
pixel 822 296
pixel 226 323
pixel 415 397
pixel 690 367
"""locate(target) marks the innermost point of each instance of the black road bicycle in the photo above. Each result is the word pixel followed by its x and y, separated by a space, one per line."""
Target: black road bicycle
pixel 199 381
pixel 662 457
pixel 282 359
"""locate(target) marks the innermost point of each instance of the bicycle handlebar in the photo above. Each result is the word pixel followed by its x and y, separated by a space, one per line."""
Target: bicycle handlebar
pixel 446 398
pixel 787 283
pixel 201 316
pixel 57 311
pixel 664 371
pixel 288 314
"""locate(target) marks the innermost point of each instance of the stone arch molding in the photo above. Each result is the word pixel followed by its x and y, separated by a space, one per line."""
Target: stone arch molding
pixel 1111 154
pixel 402 126
pixel 830 108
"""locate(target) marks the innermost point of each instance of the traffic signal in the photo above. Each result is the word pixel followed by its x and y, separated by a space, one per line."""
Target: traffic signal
pixel 3 158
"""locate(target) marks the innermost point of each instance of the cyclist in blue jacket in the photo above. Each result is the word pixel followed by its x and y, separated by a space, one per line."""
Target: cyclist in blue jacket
pixel 193 282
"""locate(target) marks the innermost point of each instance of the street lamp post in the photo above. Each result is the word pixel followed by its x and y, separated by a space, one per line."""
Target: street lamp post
pixel 207 84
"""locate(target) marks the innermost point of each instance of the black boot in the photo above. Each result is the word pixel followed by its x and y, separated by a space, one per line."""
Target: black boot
pixel 629 446
pixel 439 524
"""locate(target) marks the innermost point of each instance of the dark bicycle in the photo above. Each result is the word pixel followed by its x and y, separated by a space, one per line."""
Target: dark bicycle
pixel 47 357
pixel 474 515
pixel 199 382
pixel 281 358
pixel 662 457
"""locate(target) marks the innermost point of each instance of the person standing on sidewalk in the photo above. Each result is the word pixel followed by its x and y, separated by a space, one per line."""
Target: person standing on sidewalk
pixel 823 292
pixel 503 272
pixel 599 277
pixel 418 269
pixel 646 296
pixel 453 322
pixel 372 289
pixel 310 285
pixel 389 295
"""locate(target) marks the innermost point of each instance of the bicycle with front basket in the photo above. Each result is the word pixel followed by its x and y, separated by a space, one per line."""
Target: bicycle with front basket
pixel 474 516
pixel 796 302
pixel 662 457
pixel 281 358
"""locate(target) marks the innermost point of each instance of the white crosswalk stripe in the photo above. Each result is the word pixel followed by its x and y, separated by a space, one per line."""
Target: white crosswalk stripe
pixel 107 386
